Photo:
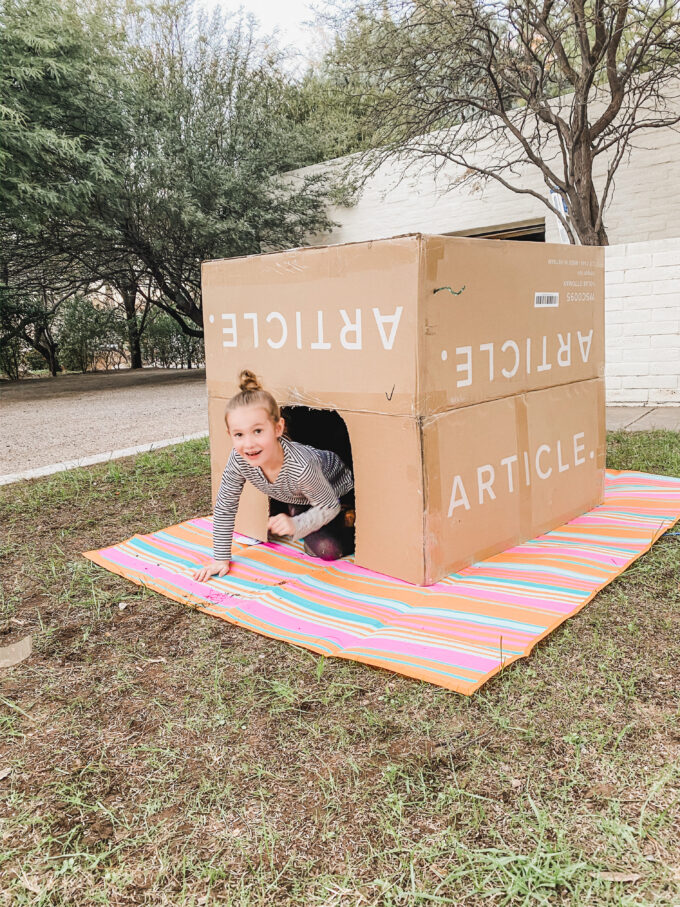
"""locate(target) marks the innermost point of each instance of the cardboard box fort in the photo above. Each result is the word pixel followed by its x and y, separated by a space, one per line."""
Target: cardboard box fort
pixel 468 373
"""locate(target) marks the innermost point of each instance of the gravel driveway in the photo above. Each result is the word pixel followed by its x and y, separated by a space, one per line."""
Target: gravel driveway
pixel 51 420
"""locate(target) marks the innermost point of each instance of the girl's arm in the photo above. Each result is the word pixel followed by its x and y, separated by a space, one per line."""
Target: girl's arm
pixel 226 505
pixel 325 503
pixel 224 515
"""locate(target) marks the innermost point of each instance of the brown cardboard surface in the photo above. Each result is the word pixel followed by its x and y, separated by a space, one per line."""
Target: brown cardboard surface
pixel 465 485
pixel 502 472
pixel 413 325
pixel 485 331
pixel 414 342
pixel 569 422
pixel 333 326
pixel 455 444
pixel 220 443
pixel 388 481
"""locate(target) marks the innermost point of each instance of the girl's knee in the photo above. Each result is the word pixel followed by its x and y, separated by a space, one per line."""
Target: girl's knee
pixel 326 548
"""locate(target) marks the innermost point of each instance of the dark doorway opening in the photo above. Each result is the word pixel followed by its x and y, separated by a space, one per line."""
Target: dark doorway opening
pixel 534 232
pixel 320 428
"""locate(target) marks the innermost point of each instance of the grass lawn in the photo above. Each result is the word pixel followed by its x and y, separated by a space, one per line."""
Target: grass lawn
pixel 150 754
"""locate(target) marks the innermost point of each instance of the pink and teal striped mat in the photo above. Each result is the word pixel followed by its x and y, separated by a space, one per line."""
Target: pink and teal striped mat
pixel 457 633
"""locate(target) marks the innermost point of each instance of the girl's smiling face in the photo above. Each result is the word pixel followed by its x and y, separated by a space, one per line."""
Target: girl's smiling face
pixel 255 436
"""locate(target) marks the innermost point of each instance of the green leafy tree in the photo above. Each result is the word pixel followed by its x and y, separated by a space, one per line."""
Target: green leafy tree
pixel 59 72
pixel 12 352
pixel 326 108
pixel 135 142
pixel 203 171
pixel 28 321
pixel 59 117
pixel 91 334
pixel 165 344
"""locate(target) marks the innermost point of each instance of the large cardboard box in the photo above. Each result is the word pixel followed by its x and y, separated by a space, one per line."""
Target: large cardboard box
pixel 468 373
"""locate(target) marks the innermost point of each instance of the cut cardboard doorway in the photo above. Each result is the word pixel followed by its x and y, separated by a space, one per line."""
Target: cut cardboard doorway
pixel 320 428
pixel 388 489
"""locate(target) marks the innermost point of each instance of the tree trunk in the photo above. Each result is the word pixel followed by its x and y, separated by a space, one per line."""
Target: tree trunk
pixel 48 350
pixel 584 206
pixel 55 368
pixel 583 224
pixel 129 294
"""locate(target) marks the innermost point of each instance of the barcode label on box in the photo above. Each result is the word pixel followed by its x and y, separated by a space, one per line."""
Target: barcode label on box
pixel 546 300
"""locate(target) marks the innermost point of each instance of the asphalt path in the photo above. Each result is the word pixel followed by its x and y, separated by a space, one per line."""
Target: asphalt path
pixel 48 422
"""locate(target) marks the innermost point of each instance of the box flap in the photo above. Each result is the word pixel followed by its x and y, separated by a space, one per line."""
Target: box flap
pixel 389 494
pixel 502 472
pixel 331 327
pixel 499 318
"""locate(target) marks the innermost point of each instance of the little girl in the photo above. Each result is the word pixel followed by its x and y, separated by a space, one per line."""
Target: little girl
pixel 315 484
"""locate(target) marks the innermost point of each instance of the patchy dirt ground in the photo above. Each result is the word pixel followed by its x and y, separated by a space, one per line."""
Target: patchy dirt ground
pixel 150 754
pixel 49 420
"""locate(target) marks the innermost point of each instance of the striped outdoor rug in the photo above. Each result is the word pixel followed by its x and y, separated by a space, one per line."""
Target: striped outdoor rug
pixel 457 633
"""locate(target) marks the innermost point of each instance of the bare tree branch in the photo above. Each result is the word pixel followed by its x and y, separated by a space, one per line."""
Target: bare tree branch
pixel 504 87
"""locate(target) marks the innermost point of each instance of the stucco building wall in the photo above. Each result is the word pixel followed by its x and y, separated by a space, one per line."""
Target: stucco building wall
pixel 645 202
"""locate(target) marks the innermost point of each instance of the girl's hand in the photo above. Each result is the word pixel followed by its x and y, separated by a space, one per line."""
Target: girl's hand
pixel 221 568
pixel 281 525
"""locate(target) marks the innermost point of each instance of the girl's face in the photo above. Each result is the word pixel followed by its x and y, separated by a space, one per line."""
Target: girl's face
pixel 254 436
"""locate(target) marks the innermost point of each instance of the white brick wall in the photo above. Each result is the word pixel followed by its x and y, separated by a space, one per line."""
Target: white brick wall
pixel 644 204
pixel 642 323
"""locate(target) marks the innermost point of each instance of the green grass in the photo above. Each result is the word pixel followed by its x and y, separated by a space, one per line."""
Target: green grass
pixel 158 756
pixel 657 452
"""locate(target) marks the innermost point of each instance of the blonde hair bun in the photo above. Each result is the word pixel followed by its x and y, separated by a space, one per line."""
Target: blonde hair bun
pixel 247 381
pixel 252 394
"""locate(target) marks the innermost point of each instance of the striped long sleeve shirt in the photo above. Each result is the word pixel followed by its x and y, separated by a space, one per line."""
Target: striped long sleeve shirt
pixel 308 476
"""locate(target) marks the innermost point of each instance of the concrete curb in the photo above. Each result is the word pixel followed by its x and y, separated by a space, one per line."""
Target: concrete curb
pixel 96 458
